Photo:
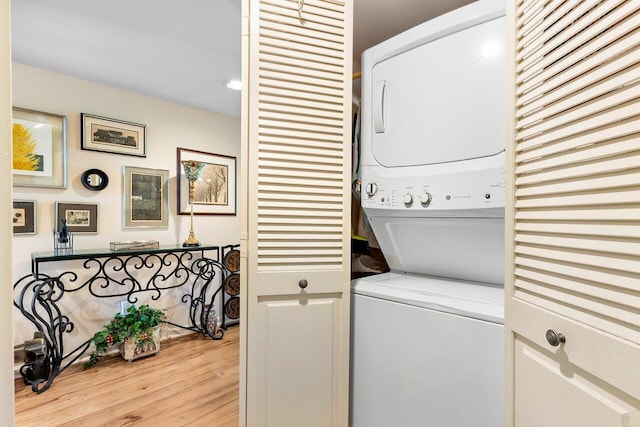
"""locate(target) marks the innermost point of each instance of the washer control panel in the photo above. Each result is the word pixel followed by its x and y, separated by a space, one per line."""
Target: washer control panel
pixel 472 190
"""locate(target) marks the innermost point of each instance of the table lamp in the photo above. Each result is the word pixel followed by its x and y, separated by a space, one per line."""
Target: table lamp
pixel 192 170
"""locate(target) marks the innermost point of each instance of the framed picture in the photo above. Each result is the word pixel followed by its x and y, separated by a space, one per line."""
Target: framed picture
pixel 214 191
pixel 24 217
pixel 113 136
pixel 80 217
pixel 39 149
pixel 145 197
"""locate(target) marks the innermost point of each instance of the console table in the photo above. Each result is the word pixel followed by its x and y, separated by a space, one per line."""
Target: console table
pixel 115 274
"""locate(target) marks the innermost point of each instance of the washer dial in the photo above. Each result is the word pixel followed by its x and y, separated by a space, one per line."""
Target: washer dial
pixel 371 188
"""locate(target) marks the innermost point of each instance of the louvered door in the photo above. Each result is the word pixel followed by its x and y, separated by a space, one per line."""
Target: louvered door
pixel 573 226
pixel 297 226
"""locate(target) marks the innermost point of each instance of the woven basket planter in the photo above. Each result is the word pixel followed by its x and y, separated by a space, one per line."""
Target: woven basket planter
pixel 131 350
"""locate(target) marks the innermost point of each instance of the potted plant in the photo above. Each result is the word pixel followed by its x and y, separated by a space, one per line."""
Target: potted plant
pixel 137 333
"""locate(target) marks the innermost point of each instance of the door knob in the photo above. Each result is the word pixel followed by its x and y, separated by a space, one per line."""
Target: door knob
pixel 555 338
pixel 302 283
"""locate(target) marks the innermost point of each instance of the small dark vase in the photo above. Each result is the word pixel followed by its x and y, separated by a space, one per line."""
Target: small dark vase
pixel 63 235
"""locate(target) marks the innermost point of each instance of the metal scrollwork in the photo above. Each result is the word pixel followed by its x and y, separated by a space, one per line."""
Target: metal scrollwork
pixel 116 276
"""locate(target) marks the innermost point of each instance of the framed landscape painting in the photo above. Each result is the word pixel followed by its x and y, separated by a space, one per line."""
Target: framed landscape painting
pixel 39 149
pixel 214 191
pixel 79 217
pixel 145 198
pixel 113 136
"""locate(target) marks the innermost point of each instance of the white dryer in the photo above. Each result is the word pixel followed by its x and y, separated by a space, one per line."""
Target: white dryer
pixel 427 338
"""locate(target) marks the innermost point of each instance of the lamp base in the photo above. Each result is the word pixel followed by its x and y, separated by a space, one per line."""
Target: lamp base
pixel 191 241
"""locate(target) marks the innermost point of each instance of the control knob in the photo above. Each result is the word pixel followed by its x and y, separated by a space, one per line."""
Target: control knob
pixel 425 199
pixel 408 199
pixel 371 188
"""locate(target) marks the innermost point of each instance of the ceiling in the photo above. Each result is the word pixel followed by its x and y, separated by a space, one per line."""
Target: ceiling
pixel 181 51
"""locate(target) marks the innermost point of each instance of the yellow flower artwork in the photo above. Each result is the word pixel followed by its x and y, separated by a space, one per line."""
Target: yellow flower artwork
pixel 24 149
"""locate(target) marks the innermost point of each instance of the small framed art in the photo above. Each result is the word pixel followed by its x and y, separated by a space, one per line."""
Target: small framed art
pixel 80 217
pixel 24 217
pixel 145 198
pixel 39 149
pixel 214 191
pixel 113 136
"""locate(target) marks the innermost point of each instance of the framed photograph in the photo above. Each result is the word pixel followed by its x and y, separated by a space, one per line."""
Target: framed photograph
pixel 145 198
pixel 24 217
pixel 113 136
pixel 79 217
pixel 39 149
pixel 215 190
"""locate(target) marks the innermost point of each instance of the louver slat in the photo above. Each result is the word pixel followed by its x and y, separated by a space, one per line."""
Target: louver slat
pixel 301 31
pixel 591 70
pixel 530 18
pixel 271 36
pixel 577 171
pixel 301 138
pixel 546 42
pixel 269 102
pixel 312 14
pixel 568 45
pixel 291 19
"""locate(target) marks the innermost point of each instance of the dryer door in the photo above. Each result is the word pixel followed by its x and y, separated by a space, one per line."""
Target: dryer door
pixel 442 101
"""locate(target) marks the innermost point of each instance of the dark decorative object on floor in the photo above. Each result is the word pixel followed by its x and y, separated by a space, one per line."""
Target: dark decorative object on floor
pixel 135 327
pixel 36 362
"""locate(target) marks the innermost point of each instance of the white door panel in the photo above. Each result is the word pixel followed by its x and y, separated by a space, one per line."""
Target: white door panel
pixel 296 235
pixel 573 191
pixel 311 377
pixel 550 390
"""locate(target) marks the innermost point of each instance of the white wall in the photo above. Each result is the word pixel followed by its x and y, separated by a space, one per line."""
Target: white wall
pixel 6 349
pixel 168 126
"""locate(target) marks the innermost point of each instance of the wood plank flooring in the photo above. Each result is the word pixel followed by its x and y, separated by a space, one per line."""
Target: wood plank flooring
pixel 192 381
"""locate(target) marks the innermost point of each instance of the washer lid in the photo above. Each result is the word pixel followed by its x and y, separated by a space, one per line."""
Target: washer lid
pixel 470 299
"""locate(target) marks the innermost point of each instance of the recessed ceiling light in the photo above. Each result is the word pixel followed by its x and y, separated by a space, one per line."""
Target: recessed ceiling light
pixel 234 84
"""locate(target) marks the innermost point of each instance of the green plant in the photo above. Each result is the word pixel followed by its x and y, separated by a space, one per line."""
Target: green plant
pixel 136 324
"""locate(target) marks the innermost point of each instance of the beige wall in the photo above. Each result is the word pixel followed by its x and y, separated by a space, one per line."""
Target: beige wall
pixel 168 126
pixel 6 348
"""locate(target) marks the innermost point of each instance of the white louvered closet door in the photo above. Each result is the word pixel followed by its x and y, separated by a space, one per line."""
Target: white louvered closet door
pixel 573 227
pixel 297 236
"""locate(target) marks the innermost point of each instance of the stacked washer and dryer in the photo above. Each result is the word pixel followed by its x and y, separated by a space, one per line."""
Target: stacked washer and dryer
pixel 428 337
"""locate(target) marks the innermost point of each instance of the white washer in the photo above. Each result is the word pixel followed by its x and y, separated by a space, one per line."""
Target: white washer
pixel 426 351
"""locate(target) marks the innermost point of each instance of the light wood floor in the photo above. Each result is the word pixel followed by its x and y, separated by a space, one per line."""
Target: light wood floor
pixel 192 381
